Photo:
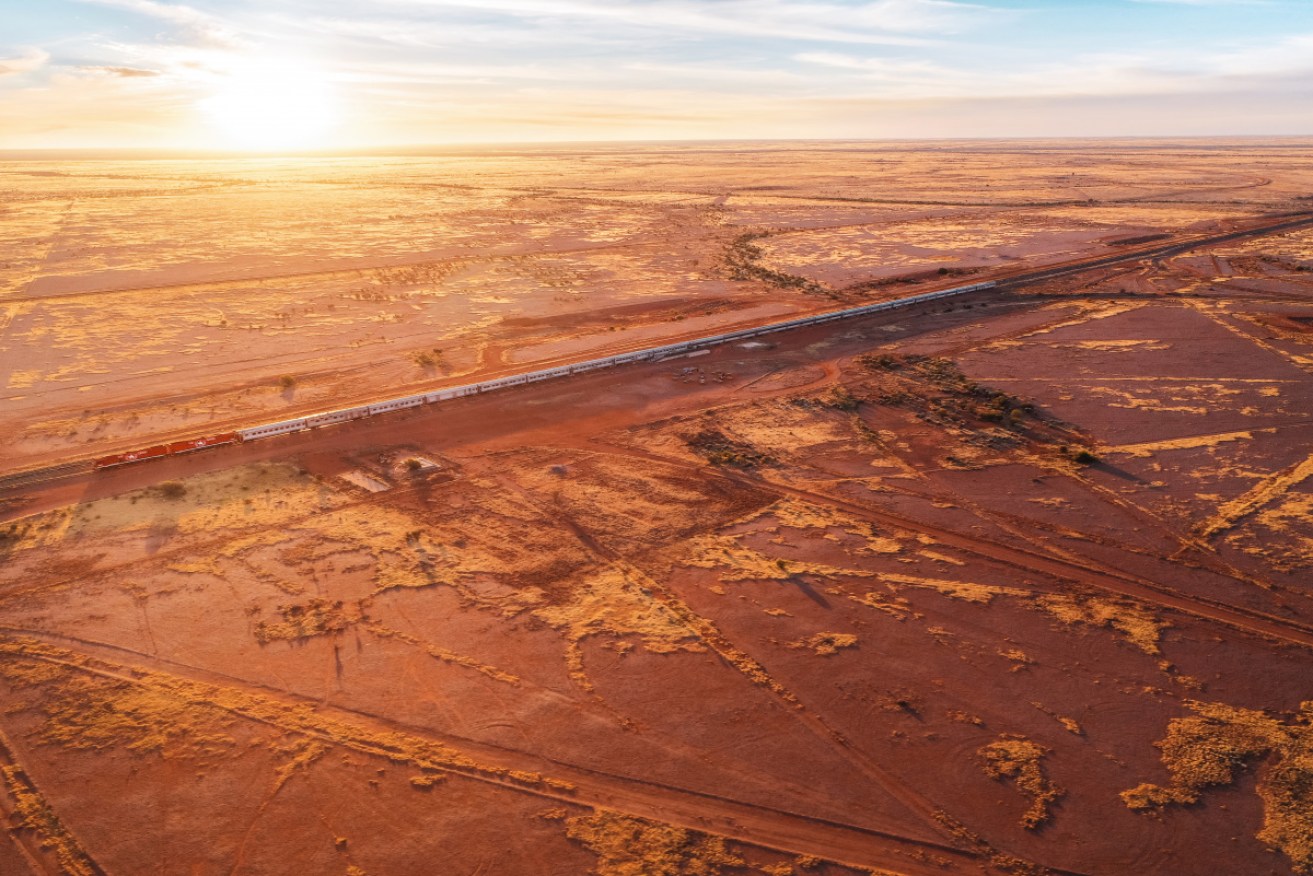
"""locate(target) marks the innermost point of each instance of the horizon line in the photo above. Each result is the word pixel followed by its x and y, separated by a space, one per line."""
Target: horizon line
pixel 144 152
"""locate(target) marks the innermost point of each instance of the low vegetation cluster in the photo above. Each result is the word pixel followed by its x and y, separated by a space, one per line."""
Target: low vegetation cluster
pixel 1209 748
pixel 719 449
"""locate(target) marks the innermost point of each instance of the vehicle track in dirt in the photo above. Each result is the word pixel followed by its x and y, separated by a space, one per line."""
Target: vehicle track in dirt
pixel 1088 572
pixel 732 656
pixel 738 660
pixel 335 273
pixel 1115 580
pixel 376 736
pixel 1188 543
pixel 44 843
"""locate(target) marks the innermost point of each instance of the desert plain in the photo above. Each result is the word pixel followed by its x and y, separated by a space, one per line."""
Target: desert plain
pixel 1014 582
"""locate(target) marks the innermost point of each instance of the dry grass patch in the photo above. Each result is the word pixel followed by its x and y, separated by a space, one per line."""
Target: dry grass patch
pixel 629 846
pixel 180 717
pixel 1019 759
pixel 1207 749
pixel 443 655
pixel 1281 534
pixel 718 448
pixel 964 590
pixel 1137 624
pixel 259 495
pixel 317 617
pixel 631 504
pixel 32 812
pixel 614 602
pixel 736 562
pixel 84 711
pixel 826 644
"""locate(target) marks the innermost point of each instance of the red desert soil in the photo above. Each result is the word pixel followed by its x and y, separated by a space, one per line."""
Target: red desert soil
pixel 1013 583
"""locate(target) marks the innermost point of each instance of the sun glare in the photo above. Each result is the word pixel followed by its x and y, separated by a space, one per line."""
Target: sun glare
pixel 268 106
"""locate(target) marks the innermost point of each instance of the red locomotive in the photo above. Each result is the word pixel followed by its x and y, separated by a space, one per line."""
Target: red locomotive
pixel 171 449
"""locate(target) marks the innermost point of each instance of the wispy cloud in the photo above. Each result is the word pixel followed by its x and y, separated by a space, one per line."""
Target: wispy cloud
pixel 195 25
pixel 122 72
pixel 1166 71
pixel 892 22
pixel 1207 2
pixel 431 70
pixel 31 59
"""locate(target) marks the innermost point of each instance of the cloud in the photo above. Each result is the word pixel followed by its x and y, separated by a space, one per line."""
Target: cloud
pixel 75 109
pixel 879 67
pixel 176 65
pixel 194 24
pixel 1291 55
pixel 1166 72
pixel 31 59
pixel 1207 2
pixel 424 70
pixel 124 72
pixel 892 22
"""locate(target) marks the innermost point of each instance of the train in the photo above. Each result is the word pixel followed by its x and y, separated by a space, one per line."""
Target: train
pixel 173 448
pixel 649 354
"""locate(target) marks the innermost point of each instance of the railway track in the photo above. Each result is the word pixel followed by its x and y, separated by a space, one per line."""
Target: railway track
pixel 40 475
pixel 1009 280
pixel 1157 252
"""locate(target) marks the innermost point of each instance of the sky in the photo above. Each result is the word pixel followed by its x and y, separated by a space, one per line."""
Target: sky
pixel 329 74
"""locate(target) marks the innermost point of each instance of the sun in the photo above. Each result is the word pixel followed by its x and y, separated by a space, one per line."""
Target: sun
pixel 268 106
